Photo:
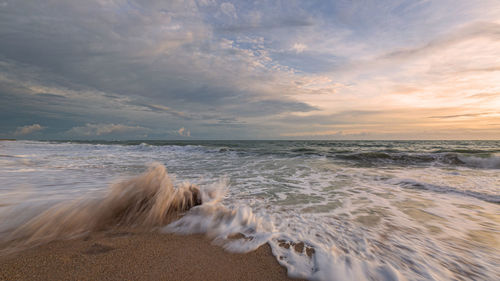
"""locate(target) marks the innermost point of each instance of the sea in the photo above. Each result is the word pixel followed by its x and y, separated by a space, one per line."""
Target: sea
pixel 329 210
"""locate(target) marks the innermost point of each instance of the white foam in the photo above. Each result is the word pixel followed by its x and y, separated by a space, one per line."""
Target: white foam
pixel 492 162
pixel 361 222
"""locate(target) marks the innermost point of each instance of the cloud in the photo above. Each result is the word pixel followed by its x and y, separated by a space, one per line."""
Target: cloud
pixel 105 129
pixel 29 129
pixel 184 132
pixel 267 25
pixel 206 2
pixel 490 30
pixel 299 47
pixel 228 9
pixel 327 135
pixel 167 109
pixel 468 115
pixel 240 68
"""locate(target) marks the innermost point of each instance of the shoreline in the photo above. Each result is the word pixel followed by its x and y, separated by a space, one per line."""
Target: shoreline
pixel 133 255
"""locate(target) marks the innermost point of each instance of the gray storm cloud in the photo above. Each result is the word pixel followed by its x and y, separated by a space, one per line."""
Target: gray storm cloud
pixel 151 61
pixel 232 69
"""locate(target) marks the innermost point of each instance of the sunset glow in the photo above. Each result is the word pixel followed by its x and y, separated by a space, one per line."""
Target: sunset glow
pixel 250 70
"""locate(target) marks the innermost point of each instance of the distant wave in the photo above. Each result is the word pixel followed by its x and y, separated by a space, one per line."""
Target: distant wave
pixel 490 162
pixel 473 154
pixel 408 183
pixel 484 161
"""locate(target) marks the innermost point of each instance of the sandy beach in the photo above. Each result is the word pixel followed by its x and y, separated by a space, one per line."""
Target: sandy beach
pixel 132 255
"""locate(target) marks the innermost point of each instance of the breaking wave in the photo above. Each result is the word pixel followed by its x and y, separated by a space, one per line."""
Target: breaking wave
pixel 491 162
pixel 480 161
pixel 236 230
pixel 148 200
pixel 332 247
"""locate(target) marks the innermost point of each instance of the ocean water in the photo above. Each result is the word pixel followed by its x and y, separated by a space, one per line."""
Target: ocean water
pixel 330 210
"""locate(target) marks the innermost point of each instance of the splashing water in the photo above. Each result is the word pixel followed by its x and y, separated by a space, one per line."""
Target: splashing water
pixel 147 200
pixel 329 210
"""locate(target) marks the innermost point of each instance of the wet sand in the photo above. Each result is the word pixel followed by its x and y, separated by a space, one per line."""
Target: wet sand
pixel 131 255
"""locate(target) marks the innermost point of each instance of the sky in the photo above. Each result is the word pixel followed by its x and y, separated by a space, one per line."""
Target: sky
pixel 208 69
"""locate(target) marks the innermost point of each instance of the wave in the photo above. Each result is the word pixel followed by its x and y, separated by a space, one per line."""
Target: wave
pixel 151 201
pixel 236 230
pixel 412 184
pixel 399 158
pixel 449 153
pixel 240 230
pixel 147 200
pixel 467 151
pixel 481 161
pixel 491 162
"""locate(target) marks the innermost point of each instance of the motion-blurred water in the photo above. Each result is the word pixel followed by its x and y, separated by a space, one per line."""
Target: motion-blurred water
pixel 331 210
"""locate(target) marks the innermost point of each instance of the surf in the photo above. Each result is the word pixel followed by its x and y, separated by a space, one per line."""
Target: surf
pixel 148 200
